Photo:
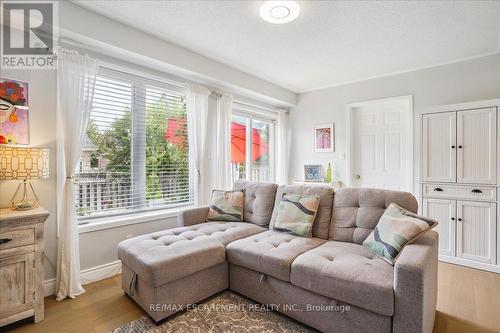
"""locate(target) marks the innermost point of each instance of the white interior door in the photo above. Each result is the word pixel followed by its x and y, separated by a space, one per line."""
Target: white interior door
pixel 476 143
pixel 443 211
pixel 381 149
pixel 476 231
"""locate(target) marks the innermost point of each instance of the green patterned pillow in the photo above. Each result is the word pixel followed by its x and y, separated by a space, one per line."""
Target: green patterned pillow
pixel 296 214
pixel 226 206
pixel 396 228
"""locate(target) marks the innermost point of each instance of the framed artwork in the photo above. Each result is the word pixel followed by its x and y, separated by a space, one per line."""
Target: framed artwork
pixel 14 112
pixel 324 138
pixel 313 173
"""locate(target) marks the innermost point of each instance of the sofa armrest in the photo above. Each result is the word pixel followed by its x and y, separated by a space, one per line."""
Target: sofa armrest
pixel 192 216
pixel 415 285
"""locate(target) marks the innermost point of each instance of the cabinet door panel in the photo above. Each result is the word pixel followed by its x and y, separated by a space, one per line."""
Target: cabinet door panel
pixel 16 284
pixel 476 231
pixel 476 142
pixel 439 147
pixel 443 211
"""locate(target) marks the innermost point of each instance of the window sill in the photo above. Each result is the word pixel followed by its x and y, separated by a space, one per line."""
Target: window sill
pixel 123 220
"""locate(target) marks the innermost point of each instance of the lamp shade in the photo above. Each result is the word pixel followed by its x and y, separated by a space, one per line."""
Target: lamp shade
pixel 24 163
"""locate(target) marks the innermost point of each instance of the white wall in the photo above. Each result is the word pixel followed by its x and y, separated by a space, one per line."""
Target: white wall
pixel 466 81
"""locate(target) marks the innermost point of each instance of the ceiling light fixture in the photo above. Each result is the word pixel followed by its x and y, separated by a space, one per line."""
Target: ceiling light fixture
pixel 279 12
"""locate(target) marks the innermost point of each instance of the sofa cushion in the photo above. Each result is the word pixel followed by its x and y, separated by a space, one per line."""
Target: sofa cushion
pixel 271 252
pixel 226 206
pixel 324 214
pixel 356 211
pixel 161 258
pixel 171 254
pixel 259 201
pixel 296 214
pixel 396 228
pixel 346 272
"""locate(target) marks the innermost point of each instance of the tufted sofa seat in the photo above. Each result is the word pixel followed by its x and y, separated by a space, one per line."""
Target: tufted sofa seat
pixel 271 252
pixel 169 255
pixel 348 273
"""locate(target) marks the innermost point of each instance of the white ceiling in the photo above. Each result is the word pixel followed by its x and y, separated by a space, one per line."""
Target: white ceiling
pixel 332 42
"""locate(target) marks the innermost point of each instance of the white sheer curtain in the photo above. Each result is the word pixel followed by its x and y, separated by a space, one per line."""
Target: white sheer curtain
pixel 223 142
pixel 282 148
pixel 76 75
pixel 197 114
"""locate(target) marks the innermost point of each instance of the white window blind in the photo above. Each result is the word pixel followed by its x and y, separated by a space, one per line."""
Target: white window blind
pixel 135 154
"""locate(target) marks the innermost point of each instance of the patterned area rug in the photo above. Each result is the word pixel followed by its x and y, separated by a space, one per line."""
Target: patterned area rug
pixel 225 312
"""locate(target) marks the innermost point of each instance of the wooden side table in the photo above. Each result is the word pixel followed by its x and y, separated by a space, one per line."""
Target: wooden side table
pixel 21 264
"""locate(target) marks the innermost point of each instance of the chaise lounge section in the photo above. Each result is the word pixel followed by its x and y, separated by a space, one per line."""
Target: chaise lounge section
pixel 330 281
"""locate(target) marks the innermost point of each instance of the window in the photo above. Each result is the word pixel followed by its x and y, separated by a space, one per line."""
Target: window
pixel 252 147
pixel 135 153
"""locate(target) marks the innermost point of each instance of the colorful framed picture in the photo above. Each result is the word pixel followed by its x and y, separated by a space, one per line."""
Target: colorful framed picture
pixel 313 173
pixel 324 138
pixel 14 112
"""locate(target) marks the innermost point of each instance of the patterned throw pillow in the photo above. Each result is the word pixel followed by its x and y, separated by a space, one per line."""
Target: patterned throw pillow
pixel 226 206
pixel 296 214
pixel 396 228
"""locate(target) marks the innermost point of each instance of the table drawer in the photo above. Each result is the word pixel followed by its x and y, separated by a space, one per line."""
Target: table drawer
pixel 477 193
pixel 15 238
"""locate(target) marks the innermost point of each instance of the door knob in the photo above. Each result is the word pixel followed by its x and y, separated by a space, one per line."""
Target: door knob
pixel 357 177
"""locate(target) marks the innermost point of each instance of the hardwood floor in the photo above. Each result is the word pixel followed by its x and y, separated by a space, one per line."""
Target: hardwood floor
pixel 468 301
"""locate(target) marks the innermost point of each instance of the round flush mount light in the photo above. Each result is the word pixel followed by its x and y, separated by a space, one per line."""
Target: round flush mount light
pixel 279 12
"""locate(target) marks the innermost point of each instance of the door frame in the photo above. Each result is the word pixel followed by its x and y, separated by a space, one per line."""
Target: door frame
pixel 349 158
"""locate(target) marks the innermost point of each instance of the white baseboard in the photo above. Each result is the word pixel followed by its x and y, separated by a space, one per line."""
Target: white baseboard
pixel 88 275
pixel 49 286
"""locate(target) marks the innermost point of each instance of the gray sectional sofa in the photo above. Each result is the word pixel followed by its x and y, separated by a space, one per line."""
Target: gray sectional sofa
pixel 330 282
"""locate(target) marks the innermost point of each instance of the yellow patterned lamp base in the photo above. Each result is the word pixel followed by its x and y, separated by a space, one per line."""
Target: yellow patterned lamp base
pixel 27 200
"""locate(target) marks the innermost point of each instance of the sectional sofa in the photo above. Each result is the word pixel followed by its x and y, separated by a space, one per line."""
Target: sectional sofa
pixel 330 281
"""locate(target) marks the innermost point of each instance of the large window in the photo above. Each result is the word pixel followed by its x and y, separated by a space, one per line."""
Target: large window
pixel 135 154
pixel 252 147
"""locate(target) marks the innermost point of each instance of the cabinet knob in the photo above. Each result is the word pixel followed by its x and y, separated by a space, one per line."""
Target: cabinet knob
pixel 5 240
pixel 459 219
pixel 438 189
pixel 452 147
pixel 453 219
pixel 476 191
pixel 357 177
pixel 459 146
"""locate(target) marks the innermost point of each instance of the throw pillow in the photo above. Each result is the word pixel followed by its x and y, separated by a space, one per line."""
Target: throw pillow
pixel 296 214
pixel 226 206
pixel 396 228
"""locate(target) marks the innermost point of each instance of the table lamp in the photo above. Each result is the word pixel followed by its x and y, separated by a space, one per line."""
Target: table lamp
pixel 24 164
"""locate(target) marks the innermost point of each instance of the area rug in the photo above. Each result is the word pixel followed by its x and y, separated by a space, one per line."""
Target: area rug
pixel 226 312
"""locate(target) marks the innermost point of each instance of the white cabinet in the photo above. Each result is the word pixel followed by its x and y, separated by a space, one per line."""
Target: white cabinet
pixel 443 211
pixel 476 146
pixel 459 181
pixel 476 231
pixel 439 147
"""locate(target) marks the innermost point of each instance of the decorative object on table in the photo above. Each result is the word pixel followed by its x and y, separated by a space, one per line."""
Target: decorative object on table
pixel 14 112
pixel 313 173
pixel 323 138
pixel 329 173
pixel 21 264
pixel 396 228
pixel 296 214
pixel 24 164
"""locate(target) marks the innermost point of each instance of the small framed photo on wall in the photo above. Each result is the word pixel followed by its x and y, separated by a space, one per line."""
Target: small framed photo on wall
pixel 324 138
